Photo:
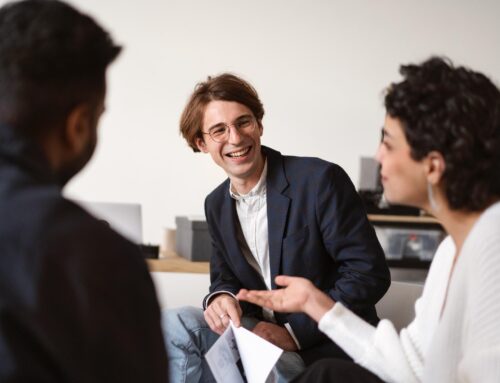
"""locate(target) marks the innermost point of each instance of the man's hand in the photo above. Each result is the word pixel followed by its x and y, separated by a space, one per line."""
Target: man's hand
pixel 275 334
pixel 222 308
pixel 299 295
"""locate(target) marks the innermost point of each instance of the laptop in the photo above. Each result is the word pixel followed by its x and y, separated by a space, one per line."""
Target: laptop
pixel 125 218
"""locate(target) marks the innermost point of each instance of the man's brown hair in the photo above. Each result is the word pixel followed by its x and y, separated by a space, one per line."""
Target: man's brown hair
pixel 224 87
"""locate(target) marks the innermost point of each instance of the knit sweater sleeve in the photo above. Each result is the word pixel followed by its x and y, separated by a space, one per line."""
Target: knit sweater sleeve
pixel 481 359
pixel 379 349
pixel 391 356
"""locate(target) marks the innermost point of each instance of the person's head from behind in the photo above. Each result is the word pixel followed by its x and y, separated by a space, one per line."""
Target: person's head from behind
pixel 223 117
pixel 441 138
pixel 53 62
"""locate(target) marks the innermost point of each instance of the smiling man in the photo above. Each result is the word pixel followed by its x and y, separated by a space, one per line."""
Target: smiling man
pixel 274 215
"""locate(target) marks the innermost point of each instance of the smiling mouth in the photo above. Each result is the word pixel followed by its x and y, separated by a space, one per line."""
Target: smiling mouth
pixel 239 153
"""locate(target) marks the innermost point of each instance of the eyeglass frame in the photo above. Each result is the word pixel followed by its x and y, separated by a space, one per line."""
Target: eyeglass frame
pixel 252 120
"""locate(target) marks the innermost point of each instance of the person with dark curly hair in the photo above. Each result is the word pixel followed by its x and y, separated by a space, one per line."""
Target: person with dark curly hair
pixel 440 151
pixel 77 303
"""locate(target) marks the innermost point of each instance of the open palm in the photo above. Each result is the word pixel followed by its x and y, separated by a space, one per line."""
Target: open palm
pixel 291 298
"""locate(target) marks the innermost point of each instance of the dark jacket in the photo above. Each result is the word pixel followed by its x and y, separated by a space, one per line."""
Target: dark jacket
pixel 318 229
pixel 77 303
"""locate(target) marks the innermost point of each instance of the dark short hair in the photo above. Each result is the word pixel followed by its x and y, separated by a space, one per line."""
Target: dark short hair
pixel 52 58
pixel 456 112
pixel 224 87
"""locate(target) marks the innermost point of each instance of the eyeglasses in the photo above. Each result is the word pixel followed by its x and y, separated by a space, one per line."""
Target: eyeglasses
pixel 220 132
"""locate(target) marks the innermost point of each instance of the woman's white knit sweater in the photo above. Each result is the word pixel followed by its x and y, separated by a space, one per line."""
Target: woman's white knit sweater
pixel 462 344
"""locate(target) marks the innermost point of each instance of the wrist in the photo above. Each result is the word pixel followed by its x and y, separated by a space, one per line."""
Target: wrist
pixel 209 299
pixel 318 305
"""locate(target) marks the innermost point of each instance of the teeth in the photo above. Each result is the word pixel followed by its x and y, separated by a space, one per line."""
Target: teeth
pixel 240 153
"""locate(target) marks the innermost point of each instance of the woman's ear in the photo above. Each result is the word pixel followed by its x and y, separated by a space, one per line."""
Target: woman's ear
pixel 436 167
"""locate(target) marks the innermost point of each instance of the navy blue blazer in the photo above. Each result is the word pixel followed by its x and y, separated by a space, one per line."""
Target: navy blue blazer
pixel 318 229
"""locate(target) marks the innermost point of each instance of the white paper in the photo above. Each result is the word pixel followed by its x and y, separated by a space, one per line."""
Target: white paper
pixel 257 355
pixel 222 358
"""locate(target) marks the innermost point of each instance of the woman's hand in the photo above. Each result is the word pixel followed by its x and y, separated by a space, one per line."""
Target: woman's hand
pixel 299 295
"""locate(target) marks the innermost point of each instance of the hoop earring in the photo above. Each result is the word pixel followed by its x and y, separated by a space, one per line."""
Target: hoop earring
pixel 430 196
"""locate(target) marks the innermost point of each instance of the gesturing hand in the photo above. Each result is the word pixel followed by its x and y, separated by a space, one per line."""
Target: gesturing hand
pixel 220 310
pixel 299 295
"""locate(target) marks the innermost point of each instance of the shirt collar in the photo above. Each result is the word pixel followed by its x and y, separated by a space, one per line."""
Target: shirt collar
pixel 258 190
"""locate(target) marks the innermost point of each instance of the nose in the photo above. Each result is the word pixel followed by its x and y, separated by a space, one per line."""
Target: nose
pixel 234 135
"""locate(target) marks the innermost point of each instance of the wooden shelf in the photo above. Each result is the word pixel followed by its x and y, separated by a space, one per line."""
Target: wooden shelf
pixel 401 219
pixel 171 262
pixel 408 263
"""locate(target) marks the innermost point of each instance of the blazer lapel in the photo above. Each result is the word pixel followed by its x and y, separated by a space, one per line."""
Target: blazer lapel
pixel 277 209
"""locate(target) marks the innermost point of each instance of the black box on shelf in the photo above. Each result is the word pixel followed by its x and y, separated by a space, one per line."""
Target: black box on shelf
pixel 192 239
pixel 150 251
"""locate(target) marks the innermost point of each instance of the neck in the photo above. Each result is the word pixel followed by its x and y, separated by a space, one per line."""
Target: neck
pixel 243 185
pixel 457 224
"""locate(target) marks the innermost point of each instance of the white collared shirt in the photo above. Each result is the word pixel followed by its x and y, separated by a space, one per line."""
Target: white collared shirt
pixel 252 214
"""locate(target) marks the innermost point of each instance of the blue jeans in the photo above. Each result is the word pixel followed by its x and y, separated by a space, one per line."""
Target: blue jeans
pixel 188 338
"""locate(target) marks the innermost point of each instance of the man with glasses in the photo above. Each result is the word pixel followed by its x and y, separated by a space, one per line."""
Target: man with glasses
pixel 274 215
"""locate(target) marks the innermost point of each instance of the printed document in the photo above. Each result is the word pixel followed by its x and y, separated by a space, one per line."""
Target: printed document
pixel 239 351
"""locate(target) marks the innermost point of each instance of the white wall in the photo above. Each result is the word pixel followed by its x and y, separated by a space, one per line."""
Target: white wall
pixel 319 66
pixel 194 288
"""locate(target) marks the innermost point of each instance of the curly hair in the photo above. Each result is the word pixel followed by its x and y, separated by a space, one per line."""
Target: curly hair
pixel 224 87
pixel 52 57
pixel 456 112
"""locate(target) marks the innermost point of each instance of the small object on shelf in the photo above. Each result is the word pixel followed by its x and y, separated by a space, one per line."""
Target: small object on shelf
pixel 409 243
pixel 150 251
pixel 192 239
pixel 374 203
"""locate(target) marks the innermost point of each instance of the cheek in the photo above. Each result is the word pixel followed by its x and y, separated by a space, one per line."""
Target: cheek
pixel 216 154
pixel 257 139
pixel 389 167
pixel 211 148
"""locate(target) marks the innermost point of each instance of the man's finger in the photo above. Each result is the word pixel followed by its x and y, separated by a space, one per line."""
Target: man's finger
pixel 219 320
pixel 233 313
pixel 214 321
pixel 210 322
pixel 225 320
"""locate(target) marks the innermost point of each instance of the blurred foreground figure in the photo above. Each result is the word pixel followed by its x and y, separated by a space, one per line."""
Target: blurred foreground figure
pixel 76 300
